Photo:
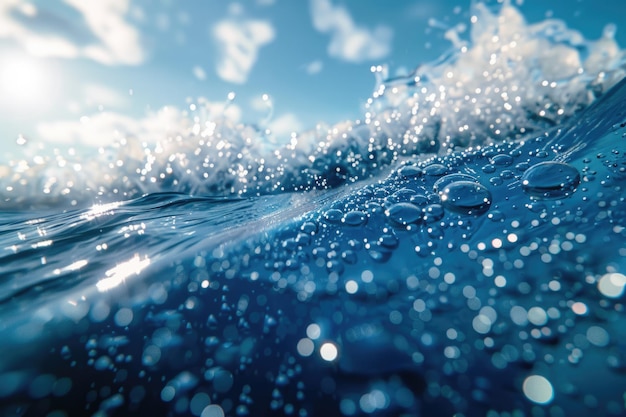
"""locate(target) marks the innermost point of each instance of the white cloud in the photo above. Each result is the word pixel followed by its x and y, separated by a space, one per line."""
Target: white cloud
pixel 199 73
pixel 239 44
pixel 97 94
pixel 285 124
pixel 100 129
pixel 108 38
pixel 262 103
pixel 105 128
pixel 314 67
pixel 349 42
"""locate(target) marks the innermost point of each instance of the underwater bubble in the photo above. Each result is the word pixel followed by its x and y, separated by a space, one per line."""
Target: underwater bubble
pixel 404 213
pixel 313 331
pixel 124 317
pixel 612 284
pixel 598 336
pixel 538 389
pixel 212 410
pixel 550 180
pixel 352 286
pixel 41 385
pixel 305 347
pixel 537 316
pixel 10 382
pixel 355 218
pixel 198 403
pixel 223 381
pixel 481 324
pixel 441 183
pixel 328 351
pixel 167 393
pixel 466 197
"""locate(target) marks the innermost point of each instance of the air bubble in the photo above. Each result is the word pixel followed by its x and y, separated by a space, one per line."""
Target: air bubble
pixel 538 389
pixel 550 180
pixel 328 351
pixel 612 285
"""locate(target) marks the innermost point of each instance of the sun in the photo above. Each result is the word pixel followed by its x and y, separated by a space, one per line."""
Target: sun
pixel 23 82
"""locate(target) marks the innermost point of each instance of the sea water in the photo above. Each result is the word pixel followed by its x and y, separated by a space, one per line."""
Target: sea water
pixel 457 251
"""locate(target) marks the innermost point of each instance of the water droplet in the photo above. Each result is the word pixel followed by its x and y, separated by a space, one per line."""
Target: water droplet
pixel 388 241
pixel 507 174
pixel 333 216
pixel 489 169
pixel 466 197
pixel 399 196
pixel 404 213
pixel 355 218
pixel 550 180
pixel 435 170
pixel 410 171
pixel 379 254
pixel 433 213
pixel 502 160
pixel 419 200
pixel 441 183
pixel 349 257
pixel 309 227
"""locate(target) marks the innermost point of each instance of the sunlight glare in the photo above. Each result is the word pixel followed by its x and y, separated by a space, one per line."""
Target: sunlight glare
pixel 118 274
pixel 23 81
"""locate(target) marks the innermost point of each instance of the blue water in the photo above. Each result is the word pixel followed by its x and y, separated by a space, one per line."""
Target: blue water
pixel 413 269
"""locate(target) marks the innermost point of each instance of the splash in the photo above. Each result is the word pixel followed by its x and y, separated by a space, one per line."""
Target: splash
pixel 497 83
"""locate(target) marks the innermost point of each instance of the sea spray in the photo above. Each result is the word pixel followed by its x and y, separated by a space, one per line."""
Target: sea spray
pixel 502 80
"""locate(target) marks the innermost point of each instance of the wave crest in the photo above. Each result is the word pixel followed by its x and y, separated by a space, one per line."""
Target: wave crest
pixel 502 80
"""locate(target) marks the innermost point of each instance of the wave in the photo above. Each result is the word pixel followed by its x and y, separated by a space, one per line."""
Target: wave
pixel 502 80
pixel 474 282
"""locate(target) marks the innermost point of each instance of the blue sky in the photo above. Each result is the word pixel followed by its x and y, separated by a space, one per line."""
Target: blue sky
pixel 76 72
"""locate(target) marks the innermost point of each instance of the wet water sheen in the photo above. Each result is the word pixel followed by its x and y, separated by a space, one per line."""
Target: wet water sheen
pixel 406 266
